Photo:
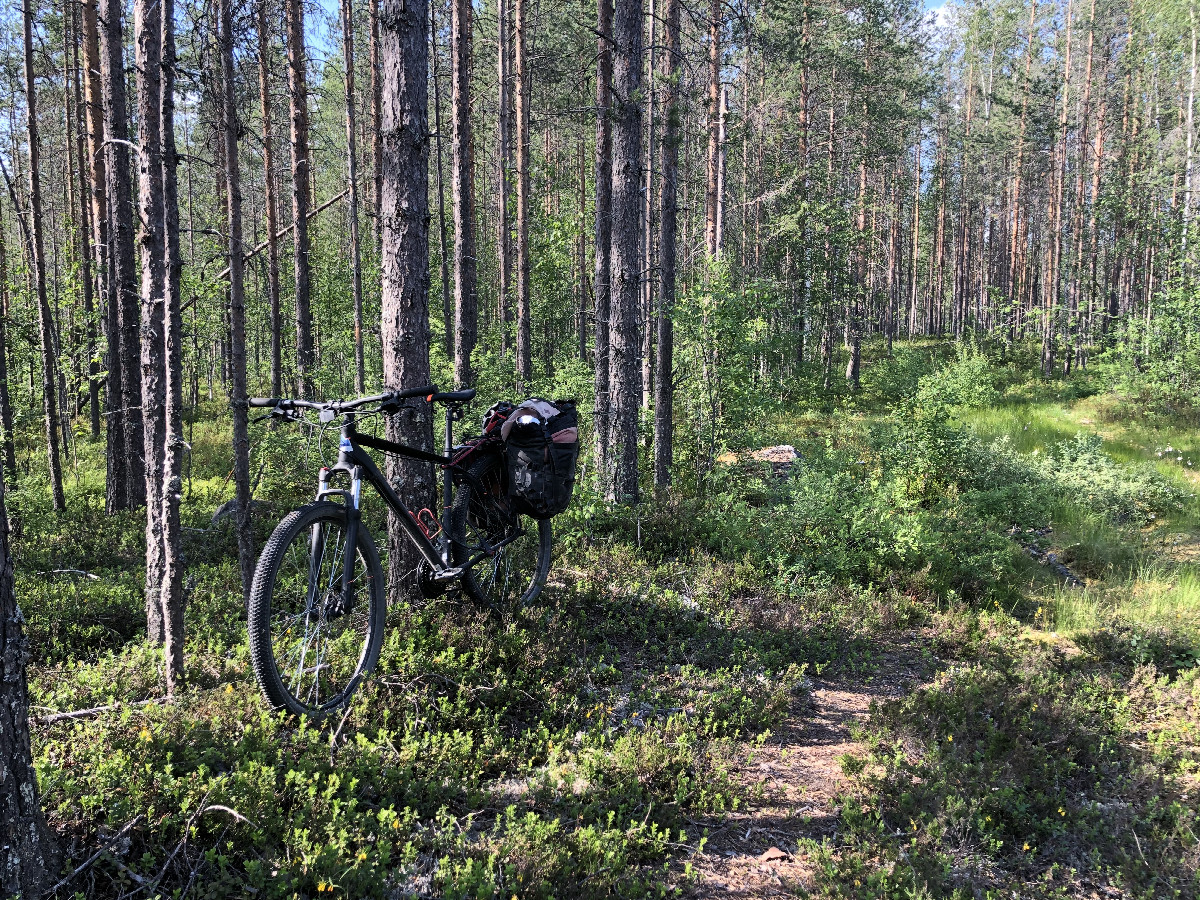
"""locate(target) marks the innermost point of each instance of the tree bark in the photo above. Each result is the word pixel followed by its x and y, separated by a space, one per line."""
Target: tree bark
pixel 504 138
pixel 147 29
pixel 404 64
pixel 45 318
pixel 647 287
pixel 237 303
pixel 1073 350
pixel 465 302
pixel 29 858
pixel 269 200
pixel 1190 130
pixel 6 410
pixel 115 487
pixel 89 249
pixel 376 123
pixel 524 328
pixel 855 309
pixel 1050 313
pixel 664 388
pixel 360 367
pixel 714 128
pixel 123 316
pixel 301 175
pixel 443 259
pixel 175 447
pixel 603 276
pixel 626 258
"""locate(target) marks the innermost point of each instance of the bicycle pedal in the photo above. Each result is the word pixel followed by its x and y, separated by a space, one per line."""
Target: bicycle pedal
pixel 447 574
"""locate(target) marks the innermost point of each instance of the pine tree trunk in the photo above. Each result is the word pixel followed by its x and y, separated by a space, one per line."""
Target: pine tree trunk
pixel 116 496
pixel 626 260
pixel 664 388
pixel 148 66
pixel 45 318
pixel 301 180
pixel 89 249
pixel 404 62
pixel 1073 350
pixel 524 325
pixel 124 317
pixel 6 410
pixel 175 447
pixel 376 123
pixel 269 199
pixel 1190 129
pixel 601 419
pixel 913 296
pixel 29 858
pixel 360 367
pixel 1014 218
pixel 443 259
pixel 646 300
pixel 714 129
pixel 1053 295
pixel 855 308
pixel 465 303
pixel 504 138
pixel 237 302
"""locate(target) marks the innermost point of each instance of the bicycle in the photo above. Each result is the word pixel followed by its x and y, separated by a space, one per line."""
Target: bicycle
pixel 317 601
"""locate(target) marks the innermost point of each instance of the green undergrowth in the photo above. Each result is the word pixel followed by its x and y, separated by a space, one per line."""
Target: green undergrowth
pixel 584 748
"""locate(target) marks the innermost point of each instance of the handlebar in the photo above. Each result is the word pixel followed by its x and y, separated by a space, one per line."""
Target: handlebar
pixel 430 393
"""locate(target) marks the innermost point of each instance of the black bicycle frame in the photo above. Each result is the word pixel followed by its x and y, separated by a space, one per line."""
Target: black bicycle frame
pixel 357 464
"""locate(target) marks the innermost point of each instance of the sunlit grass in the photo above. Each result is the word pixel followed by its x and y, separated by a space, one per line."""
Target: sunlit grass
pixel 1155 595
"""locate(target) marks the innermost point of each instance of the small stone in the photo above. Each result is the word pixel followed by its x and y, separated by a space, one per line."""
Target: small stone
pixel 772 855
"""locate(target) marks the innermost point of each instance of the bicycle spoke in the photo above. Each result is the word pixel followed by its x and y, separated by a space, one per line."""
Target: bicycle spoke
pixel 317 645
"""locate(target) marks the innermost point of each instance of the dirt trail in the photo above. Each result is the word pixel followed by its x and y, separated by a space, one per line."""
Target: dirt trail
pixel 754 852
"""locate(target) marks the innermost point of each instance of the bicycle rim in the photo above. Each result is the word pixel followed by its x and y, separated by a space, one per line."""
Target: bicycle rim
pixel 513 571
pixel 317 648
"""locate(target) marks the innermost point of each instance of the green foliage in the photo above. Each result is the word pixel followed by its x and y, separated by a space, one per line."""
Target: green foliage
pixel 571 751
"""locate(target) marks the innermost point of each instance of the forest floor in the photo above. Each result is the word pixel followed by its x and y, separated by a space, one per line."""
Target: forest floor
pixel 797 781
pixel 861 675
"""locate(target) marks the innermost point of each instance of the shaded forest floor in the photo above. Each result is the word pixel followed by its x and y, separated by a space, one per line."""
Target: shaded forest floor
pixel 867 677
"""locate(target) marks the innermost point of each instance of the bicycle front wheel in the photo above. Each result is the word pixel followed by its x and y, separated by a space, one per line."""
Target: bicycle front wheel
pixel 512 551
pixel 311 641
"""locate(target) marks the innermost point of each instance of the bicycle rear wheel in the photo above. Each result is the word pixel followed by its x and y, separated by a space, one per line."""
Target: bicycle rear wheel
pixel 309 647
pixel 515 550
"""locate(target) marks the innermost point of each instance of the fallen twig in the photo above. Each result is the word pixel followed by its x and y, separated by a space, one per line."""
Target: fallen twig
pixel 95 856
pixel 94 711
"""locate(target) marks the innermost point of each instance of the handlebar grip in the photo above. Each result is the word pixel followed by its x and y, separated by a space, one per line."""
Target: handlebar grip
pixel 264 401
pixel 415 392
pixel 455 396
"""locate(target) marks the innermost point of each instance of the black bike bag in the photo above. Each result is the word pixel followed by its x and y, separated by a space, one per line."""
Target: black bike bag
pixel 541 442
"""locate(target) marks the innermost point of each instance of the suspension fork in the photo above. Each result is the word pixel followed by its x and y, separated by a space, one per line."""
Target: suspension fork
pixel 353 501
pixel 353 517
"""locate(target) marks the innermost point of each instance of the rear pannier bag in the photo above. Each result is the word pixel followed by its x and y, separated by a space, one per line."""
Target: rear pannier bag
pixel 541 440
